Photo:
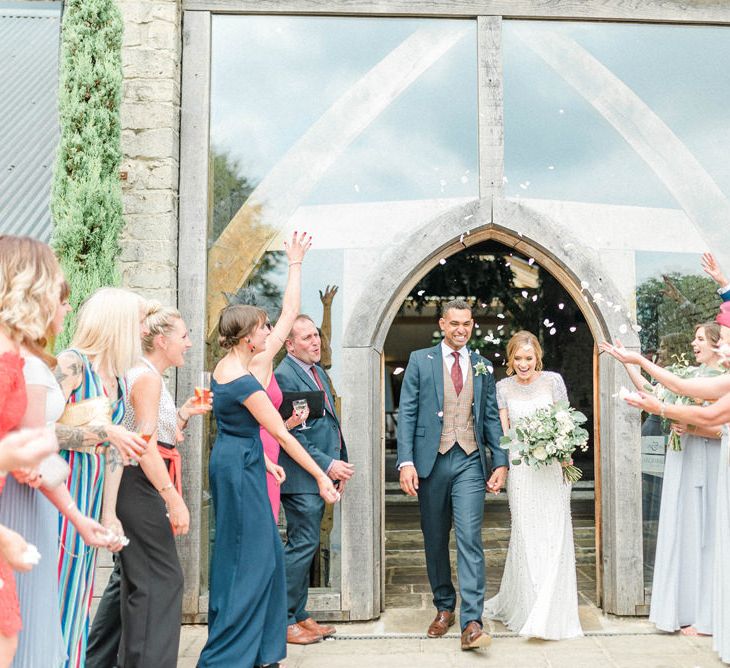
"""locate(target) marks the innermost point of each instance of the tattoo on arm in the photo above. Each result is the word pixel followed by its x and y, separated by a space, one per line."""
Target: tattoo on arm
pixel 75 438
pixel 113 459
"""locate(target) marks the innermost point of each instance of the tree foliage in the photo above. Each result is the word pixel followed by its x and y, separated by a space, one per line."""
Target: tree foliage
pixel 86 202
pixel 669 308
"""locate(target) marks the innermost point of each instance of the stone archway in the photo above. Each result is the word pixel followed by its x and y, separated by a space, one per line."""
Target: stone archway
pixel 553 246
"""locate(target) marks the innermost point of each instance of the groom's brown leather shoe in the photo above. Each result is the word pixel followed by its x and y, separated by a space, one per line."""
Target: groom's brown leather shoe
pixel 474 637
pixel 440 625
pixel 296 635
pixel 323 630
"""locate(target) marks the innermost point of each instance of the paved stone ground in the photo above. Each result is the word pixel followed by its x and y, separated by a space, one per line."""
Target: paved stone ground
pixel 623 643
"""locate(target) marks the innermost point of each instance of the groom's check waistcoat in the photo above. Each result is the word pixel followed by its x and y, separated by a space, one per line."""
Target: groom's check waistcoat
pixel 458 416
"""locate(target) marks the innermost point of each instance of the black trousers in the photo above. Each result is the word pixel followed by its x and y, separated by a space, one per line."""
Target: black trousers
pixel 151 583
pixel 106 631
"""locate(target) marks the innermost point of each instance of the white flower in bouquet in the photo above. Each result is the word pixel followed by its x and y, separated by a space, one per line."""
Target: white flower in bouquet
pixel 550 434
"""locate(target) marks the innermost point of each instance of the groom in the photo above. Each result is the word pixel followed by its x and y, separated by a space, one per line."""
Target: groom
pixel 447 420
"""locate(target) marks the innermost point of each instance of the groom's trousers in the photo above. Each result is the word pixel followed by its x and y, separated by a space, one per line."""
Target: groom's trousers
pixel 455 488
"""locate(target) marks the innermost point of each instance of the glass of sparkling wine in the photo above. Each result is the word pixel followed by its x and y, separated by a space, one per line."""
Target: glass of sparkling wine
pixel 301 407
pixel 202 389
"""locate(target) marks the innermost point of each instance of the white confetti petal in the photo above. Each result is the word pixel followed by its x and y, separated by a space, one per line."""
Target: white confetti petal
pixel 636 328
pixel 399 370
pixel 490 369
pixel 617 307
pixel 507 264
pixel 609 304
pixel 585 285
pixel 552 331
pixel 505 179
pixel 523 186
pixel 531 261
pixel 465 179
pixel 442 261
pixel 471 215
pixel 623 329
pixel 420 293
pixel 524 294
pixel 568 246
pixel 561 111
pixel 501 316
pixel 573 329
pixel 357 188
pixel 561 306
pixel 551 167
pixel 624 394
pixel 496 354
pixel 534 298
pixel 500 328
pixel 461 238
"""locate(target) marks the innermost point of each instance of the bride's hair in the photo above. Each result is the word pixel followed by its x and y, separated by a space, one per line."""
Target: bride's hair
pixel 521 340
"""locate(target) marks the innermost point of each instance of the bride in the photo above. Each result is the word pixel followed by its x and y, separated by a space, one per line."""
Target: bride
pixel 538 596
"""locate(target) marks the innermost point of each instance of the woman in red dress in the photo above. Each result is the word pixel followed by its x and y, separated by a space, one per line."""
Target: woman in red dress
pixel 262 364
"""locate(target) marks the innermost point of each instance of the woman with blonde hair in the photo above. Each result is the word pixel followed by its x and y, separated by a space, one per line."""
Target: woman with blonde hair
pixel 538 595
pixel 105 345
pixel 150 503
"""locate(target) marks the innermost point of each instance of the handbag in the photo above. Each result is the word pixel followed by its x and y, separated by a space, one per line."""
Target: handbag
pixel 93 412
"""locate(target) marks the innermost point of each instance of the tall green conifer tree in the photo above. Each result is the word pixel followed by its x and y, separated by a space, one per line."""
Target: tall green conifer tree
pixel 86 201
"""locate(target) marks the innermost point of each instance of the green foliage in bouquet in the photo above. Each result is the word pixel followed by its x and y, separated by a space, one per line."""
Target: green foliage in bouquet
pixel 550 434
pixel 682 369
pixel 86 200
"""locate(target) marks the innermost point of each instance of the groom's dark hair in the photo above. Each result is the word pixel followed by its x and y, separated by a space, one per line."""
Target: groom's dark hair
pixel 458 304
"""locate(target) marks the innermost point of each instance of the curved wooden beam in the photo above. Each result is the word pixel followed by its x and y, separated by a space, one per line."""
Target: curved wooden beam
pixel 682 174
pixel 286 186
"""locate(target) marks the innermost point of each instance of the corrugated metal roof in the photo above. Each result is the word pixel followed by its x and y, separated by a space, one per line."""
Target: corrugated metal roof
pixel 29 52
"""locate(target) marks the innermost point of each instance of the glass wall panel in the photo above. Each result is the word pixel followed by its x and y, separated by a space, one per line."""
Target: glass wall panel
pixel 355 130
pixel 619 132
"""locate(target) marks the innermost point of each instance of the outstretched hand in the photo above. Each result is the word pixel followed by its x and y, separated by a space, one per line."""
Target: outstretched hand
pixel 620 353
pixel 297 248
pixel 712 269
pixel 646 401
pixel 328 295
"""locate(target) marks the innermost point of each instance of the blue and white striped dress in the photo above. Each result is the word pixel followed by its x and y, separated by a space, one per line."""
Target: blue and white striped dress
pixel 77 561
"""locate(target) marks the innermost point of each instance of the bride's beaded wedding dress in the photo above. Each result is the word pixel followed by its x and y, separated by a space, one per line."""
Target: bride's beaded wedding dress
pixel 538 595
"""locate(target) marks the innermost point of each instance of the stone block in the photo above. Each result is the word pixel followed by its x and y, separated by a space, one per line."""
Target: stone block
pixel 145 227
pixel 149 11
pixel 148 276
pixel 149 202
pixel 150 63
pixel 150 90
pixel 159 252
pixel 153 143
pixel 163 35
pixel 149 115
pixel 132 35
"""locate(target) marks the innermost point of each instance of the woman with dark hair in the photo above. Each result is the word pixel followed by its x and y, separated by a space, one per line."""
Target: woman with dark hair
pixel 247 614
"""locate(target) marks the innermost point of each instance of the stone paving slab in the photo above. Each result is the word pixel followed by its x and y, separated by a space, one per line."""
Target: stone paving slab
pixel 397 640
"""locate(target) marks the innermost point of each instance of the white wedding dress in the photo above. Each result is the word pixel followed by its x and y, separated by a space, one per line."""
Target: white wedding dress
pixel 538 596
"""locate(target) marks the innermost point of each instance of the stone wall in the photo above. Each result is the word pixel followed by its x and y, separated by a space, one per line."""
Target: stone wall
pixel 150 142
pixel 151 58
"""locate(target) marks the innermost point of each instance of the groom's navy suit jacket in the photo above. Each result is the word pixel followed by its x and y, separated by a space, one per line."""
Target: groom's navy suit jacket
pixel 420 412
pixel 323 440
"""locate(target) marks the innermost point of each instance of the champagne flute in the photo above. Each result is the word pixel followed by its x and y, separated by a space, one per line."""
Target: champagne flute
pixel 202 389
pixel 300 407
pixel 145 429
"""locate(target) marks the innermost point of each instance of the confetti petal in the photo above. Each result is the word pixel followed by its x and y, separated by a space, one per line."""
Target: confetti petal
pixel 573 329
pixel 399 370
pixel 501 316
pixel 552 331
pixel 524 294
pixel 420 293
pixel 561 306
pixel 531 261
pixel 534 298
pixel 442 261
pixel 623 329
pixel 636 328
pixel 585 285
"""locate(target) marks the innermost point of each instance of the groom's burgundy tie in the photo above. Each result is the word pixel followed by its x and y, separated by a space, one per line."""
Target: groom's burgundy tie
pixel 456 375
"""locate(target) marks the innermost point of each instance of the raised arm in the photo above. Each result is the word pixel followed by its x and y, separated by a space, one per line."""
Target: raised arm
pixel 702 416
pixel 708 388
pixel 713 270
pixel 268 417
pixel 325 329
pixel 260 365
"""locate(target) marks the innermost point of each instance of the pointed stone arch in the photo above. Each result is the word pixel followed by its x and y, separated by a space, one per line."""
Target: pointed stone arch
pixel 521 227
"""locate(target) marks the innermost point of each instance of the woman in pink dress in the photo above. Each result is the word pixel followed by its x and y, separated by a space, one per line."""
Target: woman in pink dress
pixel 262 364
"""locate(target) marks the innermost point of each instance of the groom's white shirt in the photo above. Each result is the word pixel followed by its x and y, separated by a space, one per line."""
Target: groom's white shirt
pixel 448 355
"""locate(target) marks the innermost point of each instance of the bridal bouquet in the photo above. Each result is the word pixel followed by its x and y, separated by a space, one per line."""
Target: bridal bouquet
pixel 550 434
pixel 682 369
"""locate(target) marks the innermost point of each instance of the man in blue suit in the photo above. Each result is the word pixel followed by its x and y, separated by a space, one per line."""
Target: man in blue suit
pixel 303 506
pixel 447 420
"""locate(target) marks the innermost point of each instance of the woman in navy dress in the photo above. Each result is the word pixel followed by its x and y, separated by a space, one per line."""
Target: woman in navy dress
pixel 247 612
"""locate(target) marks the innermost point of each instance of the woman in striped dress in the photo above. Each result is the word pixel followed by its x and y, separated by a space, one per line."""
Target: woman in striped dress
pixel 91 373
